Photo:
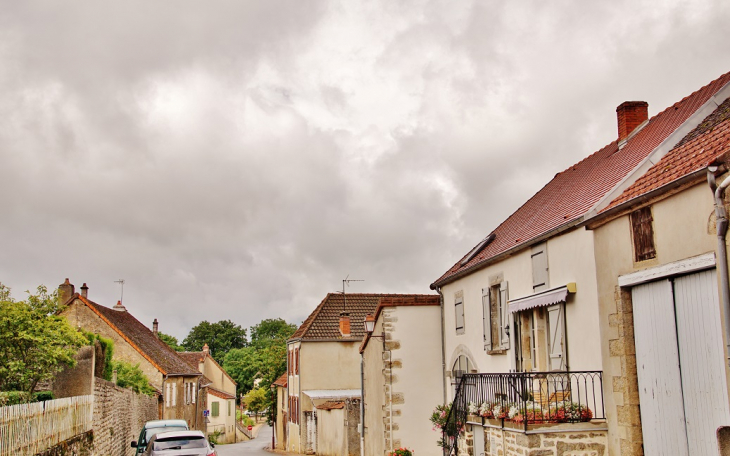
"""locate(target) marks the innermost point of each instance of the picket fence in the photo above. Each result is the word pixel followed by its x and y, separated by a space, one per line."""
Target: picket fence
pixel 28 429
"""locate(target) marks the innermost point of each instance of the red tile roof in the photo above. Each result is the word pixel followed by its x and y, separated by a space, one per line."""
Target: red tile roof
pixel 195 358
pixel 331 405
pixel 220 394
pixel 324 322
pixel 164 358
pixel 701 147
pixel 572 193
pixel 281 381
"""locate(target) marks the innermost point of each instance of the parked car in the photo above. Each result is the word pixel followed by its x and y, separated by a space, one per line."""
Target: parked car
pixel 188 443
pixel 153 427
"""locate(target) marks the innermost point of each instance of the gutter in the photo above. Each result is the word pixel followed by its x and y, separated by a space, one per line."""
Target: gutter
pixel 443 341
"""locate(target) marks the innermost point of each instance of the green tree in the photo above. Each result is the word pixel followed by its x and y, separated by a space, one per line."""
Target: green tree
pixel 35 343
pixel 257 400
pixel 221 337
pixel 171 341
pixel 131 376
pixel 271 332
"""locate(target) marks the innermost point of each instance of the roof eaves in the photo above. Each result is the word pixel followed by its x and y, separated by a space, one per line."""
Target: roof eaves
pixel 121 333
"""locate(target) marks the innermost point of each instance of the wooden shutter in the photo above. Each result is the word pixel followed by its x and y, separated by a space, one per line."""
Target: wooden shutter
pixel 556 337
pixel 504 315
pixel 215 408
pixel 643 234
pixel 174 394
pixel 459 309
pixel 194 387
pixel 487 319
pixel 167 395
pixel 540 268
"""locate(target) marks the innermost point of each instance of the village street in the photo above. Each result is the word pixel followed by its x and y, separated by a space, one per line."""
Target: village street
pixel 255 447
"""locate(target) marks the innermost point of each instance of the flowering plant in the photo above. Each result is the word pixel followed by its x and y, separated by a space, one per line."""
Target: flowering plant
pixel 564 412
pixel 439 418
pixel 402 451
pixel 439 415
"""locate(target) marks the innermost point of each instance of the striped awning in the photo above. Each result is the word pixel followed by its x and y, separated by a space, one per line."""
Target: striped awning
pixel 544 298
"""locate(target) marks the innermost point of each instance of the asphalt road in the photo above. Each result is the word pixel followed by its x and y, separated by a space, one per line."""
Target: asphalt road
pixel 253 447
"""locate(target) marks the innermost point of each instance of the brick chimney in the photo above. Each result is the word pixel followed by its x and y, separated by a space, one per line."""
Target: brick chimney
pixel 84 290
pixel 154 328
pixel 206 349
pixel 345 324
pixel 65 291
pixel 630 115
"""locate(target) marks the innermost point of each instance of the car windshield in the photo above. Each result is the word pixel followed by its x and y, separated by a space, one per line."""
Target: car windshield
pixel 179 443
pixel 152 431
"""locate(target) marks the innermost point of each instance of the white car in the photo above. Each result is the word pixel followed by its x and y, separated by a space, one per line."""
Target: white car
pixel 179 443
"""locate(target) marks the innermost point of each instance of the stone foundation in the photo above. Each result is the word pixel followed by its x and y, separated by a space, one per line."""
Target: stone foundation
pixel 586 439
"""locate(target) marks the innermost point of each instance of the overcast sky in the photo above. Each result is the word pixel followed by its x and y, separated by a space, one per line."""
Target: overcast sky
pixel 238 159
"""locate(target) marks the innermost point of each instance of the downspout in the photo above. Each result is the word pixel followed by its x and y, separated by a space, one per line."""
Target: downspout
pixel 443 341
pixel 362 403
pixel 722 224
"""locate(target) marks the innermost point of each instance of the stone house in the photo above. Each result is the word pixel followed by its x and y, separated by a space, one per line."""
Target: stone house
pixel 177 382
pixel 522 309
pixel 324 365
pixel 661 316
pixel 280 422
pixel 402 375
pixel 220 394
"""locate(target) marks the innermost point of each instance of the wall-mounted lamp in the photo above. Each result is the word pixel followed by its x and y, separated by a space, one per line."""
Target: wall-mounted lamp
pixel 370 327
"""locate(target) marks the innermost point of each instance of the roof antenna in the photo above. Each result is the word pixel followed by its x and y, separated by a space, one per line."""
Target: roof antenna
pixel 346 281
pixel 121 282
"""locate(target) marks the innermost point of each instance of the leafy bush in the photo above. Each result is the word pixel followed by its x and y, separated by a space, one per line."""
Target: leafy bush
pixel 14 397
pixel 41 396
pixel 401 452
pixel 129 376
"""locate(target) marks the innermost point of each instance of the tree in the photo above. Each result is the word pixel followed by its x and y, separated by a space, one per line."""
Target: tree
pixel 35 343
pixel 271 332
pixel 221 337
pixel 256 400
pixel 171 341
pixel 129 376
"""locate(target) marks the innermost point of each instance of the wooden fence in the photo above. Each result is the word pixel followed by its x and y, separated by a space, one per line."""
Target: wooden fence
pixel 29 429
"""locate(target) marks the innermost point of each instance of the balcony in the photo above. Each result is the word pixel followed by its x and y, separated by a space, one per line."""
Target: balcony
pixel 524 402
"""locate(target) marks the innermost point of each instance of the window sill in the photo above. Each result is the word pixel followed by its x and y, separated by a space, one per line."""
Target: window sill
pixel 500 351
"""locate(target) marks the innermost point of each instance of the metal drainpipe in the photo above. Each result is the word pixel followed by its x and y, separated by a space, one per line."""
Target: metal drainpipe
pixel 362 403
pixel 722 225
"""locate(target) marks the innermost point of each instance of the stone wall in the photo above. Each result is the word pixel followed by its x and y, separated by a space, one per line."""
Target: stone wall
pixel 561 442
pixel 80 445
pixel 119 415
pixel 77 380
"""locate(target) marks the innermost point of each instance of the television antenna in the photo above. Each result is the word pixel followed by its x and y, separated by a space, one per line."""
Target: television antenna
pixel 346 281
pixel 121 282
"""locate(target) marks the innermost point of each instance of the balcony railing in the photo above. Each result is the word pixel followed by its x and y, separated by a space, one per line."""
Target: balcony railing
pixel 524 398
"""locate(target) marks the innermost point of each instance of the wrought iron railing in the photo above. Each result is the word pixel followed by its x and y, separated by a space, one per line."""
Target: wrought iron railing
pixel 524 398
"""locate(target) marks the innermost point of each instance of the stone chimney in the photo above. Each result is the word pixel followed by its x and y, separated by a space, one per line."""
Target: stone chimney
pixel 65 291
pixel 630 115
pixel 154 328
pixel 206 349
pixel 119 307
pixel 84 290
pixel 345 324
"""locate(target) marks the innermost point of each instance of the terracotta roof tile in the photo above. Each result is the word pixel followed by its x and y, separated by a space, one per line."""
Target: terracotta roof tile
pixel 699 148
pixel 282 381
pixel 192 358
pixel 574 192
pixel 324 321
pixel 220 394
pixel 331 405
pixel 158 352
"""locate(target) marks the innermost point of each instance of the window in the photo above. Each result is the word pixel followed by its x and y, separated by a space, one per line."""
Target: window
pixel 229 408
pixel 643 234
pixel 461 366
pixel 459 308
pixel 496 318
pixel 214 408
pixel 540 280
pixel 542 342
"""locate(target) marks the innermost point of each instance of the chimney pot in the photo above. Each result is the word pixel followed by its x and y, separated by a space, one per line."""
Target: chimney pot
pixel 154 328
pixel 206 349
pixel 119 307
pixel 84 290
pixel 65 291
pixel 630 114
pixel 345 324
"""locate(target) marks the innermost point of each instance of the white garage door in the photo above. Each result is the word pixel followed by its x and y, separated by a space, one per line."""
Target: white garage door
pixel 680 364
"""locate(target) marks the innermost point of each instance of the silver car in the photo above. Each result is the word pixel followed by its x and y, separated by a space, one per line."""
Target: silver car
pixel 180 443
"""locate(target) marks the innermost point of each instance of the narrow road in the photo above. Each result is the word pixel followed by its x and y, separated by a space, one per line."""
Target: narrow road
pixel 253 447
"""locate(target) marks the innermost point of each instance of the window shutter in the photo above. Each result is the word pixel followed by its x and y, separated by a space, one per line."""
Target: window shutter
pixel 540 268
pixel 643 233
pixel 167 395
pixel 193 391
pixel 556 337
pixel 487 319
pixel 459 310
pixel 504 314
pixel 215 408
pixel 174 394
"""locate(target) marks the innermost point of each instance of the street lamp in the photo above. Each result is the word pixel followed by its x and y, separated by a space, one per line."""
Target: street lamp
pixel 370 327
